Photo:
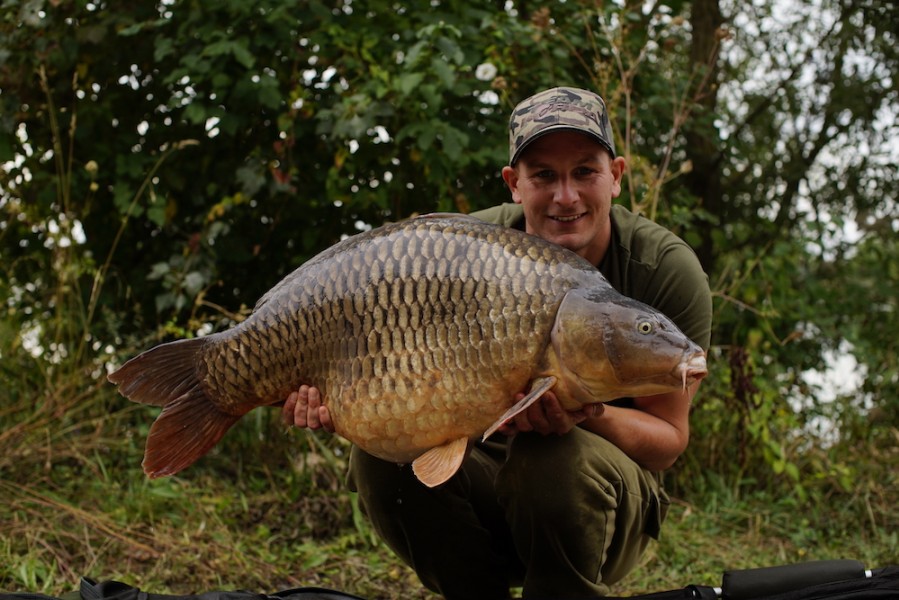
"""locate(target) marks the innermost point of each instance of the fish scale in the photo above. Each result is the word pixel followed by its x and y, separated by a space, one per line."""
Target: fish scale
pixel 436 258
pixel 418 335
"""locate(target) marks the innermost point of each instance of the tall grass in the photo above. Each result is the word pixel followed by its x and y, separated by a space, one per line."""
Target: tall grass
pixel 266 510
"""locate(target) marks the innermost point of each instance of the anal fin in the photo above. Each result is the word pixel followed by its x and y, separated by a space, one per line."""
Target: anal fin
pixel 439 464
pixel 539 387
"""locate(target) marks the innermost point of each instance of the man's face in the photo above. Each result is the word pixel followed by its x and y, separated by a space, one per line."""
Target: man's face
pixel 565 181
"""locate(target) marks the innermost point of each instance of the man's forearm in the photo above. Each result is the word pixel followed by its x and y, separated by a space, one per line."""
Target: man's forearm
pixel 653 434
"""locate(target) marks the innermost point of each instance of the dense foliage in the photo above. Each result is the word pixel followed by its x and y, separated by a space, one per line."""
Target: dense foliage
pixel 163 164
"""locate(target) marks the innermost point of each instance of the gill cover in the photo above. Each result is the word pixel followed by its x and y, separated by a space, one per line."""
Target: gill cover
pixel 610 346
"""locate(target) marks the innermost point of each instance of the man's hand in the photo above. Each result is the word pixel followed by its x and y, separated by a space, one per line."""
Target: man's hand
pixel 304 408
pixel 547 416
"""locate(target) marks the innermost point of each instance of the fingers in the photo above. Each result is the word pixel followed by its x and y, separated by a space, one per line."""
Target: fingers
pixel 287 410
pixel 317 414
pixel 555 418
pixel 304 408
pixel 522 421
pixel 519 422
pixel 324 417
pixel 312 402
pixel 548 416
pixel 545 416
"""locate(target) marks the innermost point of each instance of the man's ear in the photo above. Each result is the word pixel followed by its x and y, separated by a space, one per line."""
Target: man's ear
pixel 510 176
pixel 618 166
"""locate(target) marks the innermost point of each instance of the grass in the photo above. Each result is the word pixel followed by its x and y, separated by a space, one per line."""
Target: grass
pixel 700 542
pixel 266 511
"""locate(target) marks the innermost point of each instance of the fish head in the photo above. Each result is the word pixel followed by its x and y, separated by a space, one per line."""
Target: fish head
pixel 609 346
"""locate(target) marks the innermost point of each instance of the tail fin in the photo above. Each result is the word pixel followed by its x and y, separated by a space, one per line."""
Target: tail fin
pixel 190 423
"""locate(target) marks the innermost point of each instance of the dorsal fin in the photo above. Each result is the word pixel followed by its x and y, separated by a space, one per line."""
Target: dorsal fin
pixel 439 464
pixel 539 386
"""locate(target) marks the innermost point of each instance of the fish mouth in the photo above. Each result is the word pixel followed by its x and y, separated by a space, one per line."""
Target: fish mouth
pixel 693 369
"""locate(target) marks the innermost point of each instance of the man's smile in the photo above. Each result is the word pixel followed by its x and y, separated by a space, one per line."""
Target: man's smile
pixel 566 218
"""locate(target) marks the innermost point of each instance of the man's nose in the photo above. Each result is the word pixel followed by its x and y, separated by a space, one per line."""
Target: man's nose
pixel 565 192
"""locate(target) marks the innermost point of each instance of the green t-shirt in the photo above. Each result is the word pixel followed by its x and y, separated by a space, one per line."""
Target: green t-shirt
pixel 646 262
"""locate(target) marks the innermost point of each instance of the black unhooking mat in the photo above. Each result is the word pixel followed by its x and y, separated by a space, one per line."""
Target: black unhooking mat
pixel 816 580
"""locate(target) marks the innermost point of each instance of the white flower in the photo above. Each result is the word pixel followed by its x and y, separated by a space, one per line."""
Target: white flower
pixel 485 72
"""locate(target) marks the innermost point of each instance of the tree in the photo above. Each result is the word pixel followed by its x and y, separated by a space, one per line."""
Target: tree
pixel 165 164
pixel 205 151
pixel 806 157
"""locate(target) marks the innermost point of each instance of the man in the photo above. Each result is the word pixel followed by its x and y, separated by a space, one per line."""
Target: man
pixel 562 503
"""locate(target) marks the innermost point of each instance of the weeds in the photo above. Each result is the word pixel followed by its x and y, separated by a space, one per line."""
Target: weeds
pixel 260 514
pixel 267 510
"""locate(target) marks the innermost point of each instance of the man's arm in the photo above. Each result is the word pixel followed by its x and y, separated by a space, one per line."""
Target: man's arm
pixel 653 433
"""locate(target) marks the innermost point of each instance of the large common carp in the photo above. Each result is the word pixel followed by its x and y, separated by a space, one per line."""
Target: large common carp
pixel 418 334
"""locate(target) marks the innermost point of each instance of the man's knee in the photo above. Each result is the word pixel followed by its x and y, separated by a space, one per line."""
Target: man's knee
pixel 369 475
pixel 540 467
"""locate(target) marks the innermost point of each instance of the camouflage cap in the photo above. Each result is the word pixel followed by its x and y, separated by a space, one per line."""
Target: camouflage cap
pixel 561 108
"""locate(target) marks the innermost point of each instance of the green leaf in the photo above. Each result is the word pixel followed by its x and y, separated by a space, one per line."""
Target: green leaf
pixel 159 270
pixel 451 50
pixel 444 72
pixel 454 143
pixel 163 48
pixel 792 471
pixel 408 82
pixel 219 48
pixel 156 213
pixel 122 199
pixel 415 52
pixel 242 54
pixel 132 30
pixel 426 137
pixel 195 113
pixel 194 282
pixel 269 95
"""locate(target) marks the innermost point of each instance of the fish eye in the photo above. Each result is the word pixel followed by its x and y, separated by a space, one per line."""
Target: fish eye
pixel 644 327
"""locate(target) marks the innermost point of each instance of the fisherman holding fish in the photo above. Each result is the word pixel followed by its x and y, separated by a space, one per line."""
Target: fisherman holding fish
pixel 513 383
pixel 560 502
pixel 412 340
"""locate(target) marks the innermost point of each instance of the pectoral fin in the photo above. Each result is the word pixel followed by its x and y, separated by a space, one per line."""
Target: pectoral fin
pixel 439 464
pixel 538 387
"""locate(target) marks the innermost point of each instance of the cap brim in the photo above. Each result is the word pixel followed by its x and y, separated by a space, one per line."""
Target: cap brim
pixel 556 128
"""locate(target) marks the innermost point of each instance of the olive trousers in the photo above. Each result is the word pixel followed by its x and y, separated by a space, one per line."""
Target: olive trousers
pixel 561 516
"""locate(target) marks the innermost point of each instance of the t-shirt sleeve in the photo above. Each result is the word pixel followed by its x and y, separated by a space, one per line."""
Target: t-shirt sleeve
pixel 680 289
pixel 507 214
pixel 651 264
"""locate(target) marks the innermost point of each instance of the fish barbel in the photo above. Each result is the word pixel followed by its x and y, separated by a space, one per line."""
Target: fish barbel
pixel 418 335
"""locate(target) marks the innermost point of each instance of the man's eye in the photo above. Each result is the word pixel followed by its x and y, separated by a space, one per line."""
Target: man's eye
pixel 584 171
pixel 545 174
